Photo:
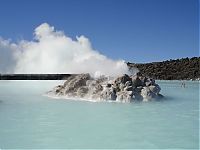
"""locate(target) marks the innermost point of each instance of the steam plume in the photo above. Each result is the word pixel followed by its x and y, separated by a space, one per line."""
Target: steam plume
pixel 52 51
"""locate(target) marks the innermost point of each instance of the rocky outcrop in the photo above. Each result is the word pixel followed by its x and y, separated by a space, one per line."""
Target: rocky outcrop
pixel 121 89
pixel 179 69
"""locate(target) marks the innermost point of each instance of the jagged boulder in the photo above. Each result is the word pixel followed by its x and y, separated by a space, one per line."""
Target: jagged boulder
pixel 150 92
pixel 136 81
pixel 108 94
pixel 75 82
pixel 122 79
pixel 97 88
pixel 155 88
pixel 149 82
pixel 147 94
pixel 59 89
pixel 122 89
pixel 125 96
pixel 82 91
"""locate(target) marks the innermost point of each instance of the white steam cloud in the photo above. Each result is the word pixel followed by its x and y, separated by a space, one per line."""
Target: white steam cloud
pixel 52 51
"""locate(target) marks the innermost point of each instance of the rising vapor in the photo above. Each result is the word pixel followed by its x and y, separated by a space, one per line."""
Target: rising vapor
pixel 52 51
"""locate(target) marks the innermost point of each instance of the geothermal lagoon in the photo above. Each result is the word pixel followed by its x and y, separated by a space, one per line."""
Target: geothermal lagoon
pixel 30 119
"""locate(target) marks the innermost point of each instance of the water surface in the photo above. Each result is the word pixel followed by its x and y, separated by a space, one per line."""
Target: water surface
pixel 30 120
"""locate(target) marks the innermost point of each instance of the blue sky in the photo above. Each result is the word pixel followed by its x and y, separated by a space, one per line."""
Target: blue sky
pixel 133 30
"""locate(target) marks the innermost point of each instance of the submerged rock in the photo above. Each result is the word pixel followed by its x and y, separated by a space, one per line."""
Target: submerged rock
pixel 121 89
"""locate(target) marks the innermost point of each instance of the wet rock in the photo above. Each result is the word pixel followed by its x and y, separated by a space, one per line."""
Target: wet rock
pixel 149 82
pixel 73 83
pixel 138 89
pixel 147 94
pixel 124 96
pixel 128 88
pixel 122 89
pixel 82 91
pixel 155 89
pixel 136 81
pixel 59 88
pixel 123 79
pixel 97 88
pixel 143 80
pixel 128 83
pixel 113 95
pixel 121 86
pixel 137 96
pixel 108 94
pixel 150 92
pixel 108 85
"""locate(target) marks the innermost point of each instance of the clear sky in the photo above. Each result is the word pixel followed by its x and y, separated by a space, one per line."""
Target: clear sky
pixel 133 30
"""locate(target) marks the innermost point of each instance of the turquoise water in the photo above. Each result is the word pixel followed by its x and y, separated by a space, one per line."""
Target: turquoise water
pixel 30 120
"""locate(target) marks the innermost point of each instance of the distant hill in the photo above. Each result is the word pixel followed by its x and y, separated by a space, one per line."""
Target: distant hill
pixel 179 69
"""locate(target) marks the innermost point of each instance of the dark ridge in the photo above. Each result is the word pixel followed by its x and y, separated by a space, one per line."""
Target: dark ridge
pixel 179 69
pixel 34 76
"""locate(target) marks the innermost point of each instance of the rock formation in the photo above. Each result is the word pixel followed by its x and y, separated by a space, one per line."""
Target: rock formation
pixel 121 89
pixel 179 69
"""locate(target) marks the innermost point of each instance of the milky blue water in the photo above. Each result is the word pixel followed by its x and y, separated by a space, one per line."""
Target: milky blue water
pixel 30 120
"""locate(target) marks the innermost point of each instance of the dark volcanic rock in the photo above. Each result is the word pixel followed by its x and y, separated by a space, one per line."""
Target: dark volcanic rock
pixel 122 80
pixel 179 69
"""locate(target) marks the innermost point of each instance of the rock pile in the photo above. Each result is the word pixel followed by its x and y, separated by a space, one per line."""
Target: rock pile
pixel 179 69
pixel 122 89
